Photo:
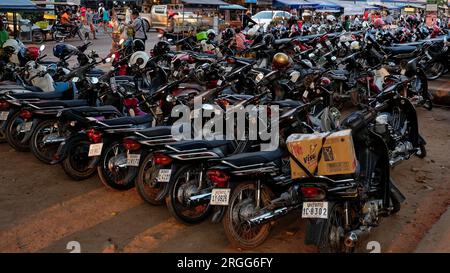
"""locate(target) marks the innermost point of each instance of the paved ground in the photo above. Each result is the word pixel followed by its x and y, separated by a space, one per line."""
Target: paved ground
pixel 42 210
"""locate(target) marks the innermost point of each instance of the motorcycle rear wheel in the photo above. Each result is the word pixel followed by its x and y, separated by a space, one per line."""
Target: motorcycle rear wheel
pixel 14 138
pixel 239 234
pixel 44 152
pixel 77 163
pixel 149 190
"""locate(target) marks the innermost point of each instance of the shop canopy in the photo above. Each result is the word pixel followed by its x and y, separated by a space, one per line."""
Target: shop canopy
pixel 232 7
pixel 17 6
pixel 355 8
pixel 296 4
pixel 325 5
pixel 204 3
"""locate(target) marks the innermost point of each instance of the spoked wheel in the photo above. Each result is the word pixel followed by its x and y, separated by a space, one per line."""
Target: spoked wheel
pixel 242 206
pixel 332 239
pixel 113 170
pixel 16 132
pixel 45 140
pixel 146 182
pixel 58 36
pixel 186 184
pixel 78 165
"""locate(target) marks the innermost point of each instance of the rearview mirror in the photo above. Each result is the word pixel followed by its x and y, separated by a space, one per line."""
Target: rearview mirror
pixel 42 48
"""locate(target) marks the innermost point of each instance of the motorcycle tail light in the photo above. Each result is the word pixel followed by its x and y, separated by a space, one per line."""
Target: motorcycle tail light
pixel 25 114
pixel 313 193
pixel 4 105
pixel 223 103
pixel 94 136
pixel 131 144
pixel 162 159
pixel 218 177
pixel 231 60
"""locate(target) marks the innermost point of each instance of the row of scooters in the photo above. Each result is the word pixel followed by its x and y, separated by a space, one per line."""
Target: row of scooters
pixel 128 130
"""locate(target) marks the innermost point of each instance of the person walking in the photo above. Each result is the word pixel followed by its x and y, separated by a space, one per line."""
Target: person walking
pixel 4 36
pixel 105 20
pixel 139 26
pixel 247 19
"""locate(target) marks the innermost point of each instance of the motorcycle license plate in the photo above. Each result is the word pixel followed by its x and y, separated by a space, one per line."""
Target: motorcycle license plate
pixel 319 46
pixel 220 197
pixel 328 43
pixel 133 160
pixel 95 149
pixel 347 44
pixel 164 175
pixel 339 44
pixel 4 115
pixel 315 210
pixel 26 127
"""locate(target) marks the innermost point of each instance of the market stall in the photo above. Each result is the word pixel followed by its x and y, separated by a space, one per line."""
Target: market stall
pixel 232 14
pixel 14 7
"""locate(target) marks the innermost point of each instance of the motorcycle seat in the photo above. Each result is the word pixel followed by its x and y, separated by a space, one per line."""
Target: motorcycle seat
pixel 399 49
pixel 187 145
pixel 287 103
pixel 139 120
pixel 282 41
pixel 156 131
pixel 338 74
pixel 248 159
pixel 95 111
pixel 95 71
pixel 39 95
pixel 59 103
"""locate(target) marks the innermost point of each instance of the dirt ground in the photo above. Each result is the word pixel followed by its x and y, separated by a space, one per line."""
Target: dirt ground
pixel 42 210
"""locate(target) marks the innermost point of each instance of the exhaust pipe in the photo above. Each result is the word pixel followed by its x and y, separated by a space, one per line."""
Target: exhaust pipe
pixel 54 140
pixel 352 238
pixel 198 199
pixel 269 216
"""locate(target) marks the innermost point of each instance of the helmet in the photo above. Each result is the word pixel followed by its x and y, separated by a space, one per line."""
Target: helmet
pixel 378 23
pixel 281 61
pixel 63 50
pixel 331 18
pixel 32 53
pixel 138 45
pixel 228 34
pixel 13 44
pixel 139 58
pixel 268 39
pixel 355 46
pixel 160 48
pixel 211 33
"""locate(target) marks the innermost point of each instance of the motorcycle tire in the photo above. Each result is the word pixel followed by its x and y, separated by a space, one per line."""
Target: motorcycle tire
pixel 237 240
pixel 150 193
pixel 111 175
pixel 57 36
pixel 176 208
pixel 77 164
pixel 12 137
pixel 423 152
pixel 434 74
pixel 43 153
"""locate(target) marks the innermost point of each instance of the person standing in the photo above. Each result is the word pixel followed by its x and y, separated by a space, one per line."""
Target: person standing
pixel 90 21
pixel 139 26
pixel 346 23
pixel 83 15
pixel 105 20
pixel 246 20
pixel 4 36
pixel 389 19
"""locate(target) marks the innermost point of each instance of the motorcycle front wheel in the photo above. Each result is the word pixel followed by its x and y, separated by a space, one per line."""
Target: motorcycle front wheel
pixel 434 70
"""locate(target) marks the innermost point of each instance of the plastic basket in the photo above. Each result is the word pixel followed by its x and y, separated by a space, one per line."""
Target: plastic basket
pixel 42 24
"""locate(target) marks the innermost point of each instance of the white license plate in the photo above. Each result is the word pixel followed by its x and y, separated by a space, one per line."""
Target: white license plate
pixel 220 197
pixel 347 43
pixel 315 210
pixel 133 160
pixel 4 115
pixel 319 46
pixel 164 175
pixel 219 82
pixel 305 94
pixel 328 43
pixel 228 69
pixel 26 127
pixel 95 149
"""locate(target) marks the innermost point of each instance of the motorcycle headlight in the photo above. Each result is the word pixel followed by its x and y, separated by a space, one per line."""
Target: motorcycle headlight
pixel 170 98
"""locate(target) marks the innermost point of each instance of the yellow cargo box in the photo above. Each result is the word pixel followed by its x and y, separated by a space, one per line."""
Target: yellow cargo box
pixel 338 153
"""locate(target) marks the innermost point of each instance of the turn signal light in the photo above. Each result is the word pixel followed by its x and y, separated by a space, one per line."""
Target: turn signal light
pixel 218 177
pixel 162 159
